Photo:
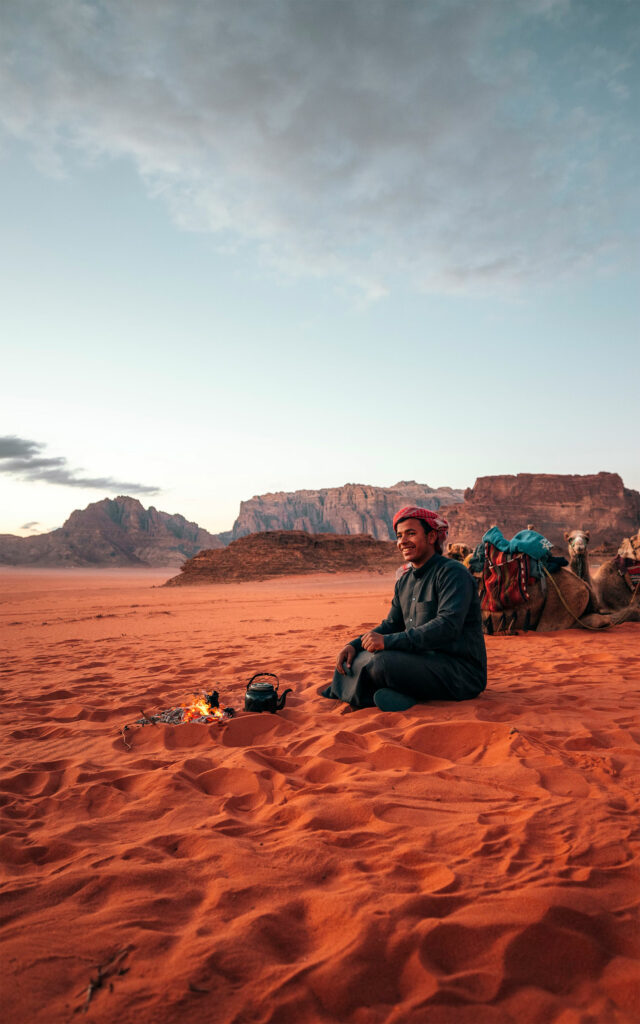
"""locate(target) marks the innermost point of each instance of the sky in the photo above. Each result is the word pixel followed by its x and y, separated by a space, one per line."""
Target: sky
pixel 285 244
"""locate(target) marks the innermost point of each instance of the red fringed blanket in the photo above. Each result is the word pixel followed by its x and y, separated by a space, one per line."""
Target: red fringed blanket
pixel 630 568
pixel 505 580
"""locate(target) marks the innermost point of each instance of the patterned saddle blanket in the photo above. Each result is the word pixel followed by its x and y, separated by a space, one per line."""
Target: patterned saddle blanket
pixel 504 579
pixel 629 569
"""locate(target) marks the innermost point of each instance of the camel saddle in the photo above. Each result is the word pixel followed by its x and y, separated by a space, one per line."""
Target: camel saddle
pixel 629 569
pixel 505 576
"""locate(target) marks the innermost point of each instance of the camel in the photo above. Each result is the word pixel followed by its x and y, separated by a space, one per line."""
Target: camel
pixel 615 589
pixel 578 541
pixel 563 600
pixel 545 612
pixel 458 551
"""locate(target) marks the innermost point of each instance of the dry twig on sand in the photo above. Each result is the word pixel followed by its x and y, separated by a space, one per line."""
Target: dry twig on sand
pixel 106 971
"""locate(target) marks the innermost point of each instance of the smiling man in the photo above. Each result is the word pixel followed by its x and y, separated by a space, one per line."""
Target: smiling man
pixel 431 645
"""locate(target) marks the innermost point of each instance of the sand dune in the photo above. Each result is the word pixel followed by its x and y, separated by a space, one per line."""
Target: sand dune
pixel 473 863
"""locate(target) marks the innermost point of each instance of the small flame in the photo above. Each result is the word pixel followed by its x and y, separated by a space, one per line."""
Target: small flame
pixel 200 708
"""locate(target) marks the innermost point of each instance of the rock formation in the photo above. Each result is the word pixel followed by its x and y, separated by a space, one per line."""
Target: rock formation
pixel 263 555
pixel 352 509
pixel 111 532
pixel 121 532
pixel 598 502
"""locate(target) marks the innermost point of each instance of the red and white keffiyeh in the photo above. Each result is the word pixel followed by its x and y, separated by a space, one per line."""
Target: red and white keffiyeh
pixel 434 521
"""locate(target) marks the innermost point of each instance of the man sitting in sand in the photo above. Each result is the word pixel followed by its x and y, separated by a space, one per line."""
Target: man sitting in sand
pixel 431 645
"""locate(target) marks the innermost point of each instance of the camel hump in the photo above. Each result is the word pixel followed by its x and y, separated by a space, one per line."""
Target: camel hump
pixel 575 593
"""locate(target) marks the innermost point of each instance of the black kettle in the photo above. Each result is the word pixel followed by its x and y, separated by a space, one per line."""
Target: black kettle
pixel 262 695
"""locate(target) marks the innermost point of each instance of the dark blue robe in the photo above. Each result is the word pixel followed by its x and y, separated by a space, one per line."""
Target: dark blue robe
pixel 433 641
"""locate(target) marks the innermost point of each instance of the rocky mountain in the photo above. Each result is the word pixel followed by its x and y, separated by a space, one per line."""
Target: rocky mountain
pixel 352 509
pixel 120 532
pixel 111 532
pixel 263 555
pixel 552 503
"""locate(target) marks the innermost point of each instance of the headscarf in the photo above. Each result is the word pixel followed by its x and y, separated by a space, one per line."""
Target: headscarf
pixel 432 519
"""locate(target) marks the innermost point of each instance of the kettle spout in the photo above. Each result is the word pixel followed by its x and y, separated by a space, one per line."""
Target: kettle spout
pixel 283 698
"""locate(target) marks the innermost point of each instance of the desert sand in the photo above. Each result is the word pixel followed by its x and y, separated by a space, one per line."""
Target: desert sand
pixel 471 863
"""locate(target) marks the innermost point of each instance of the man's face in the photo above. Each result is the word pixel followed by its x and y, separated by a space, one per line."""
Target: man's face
pixel 416 545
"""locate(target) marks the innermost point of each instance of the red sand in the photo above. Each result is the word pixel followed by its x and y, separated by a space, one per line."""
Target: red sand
pixel 473 863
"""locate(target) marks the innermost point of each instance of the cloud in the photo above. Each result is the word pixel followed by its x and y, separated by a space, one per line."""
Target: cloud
pixel 21 458
pixel 30 526
pixel 453 145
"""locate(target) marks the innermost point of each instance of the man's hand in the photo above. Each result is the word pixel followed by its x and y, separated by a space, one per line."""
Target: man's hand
pixel 373 641
pixel 347 654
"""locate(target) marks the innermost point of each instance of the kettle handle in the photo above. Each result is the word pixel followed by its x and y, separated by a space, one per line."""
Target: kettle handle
pixel 257 674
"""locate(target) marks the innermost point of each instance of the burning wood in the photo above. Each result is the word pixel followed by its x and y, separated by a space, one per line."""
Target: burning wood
pixel 204 709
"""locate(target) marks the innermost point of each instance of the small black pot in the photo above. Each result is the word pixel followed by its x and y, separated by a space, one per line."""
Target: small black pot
pixel 262 695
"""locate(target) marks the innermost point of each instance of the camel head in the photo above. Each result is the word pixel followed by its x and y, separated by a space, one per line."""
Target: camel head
pixel 458 551
pixel 630 547
pixel 578 541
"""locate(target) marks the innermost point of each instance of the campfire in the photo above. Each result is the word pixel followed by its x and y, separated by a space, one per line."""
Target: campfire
pixel 204 709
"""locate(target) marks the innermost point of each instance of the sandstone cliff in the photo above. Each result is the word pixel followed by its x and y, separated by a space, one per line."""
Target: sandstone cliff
pixel 111 532
pixel 598 502
pixel 352 509
pixel 263 555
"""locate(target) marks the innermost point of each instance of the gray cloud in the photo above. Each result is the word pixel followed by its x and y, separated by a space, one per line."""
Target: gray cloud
pixel 21 458
pixel 30 526
pixel 456 145
pixel 12 447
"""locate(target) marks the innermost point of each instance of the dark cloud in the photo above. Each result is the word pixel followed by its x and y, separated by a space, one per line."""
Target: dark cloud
pixel 21 458
pixel 30 526
pixel 18 447
pixel 456 144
